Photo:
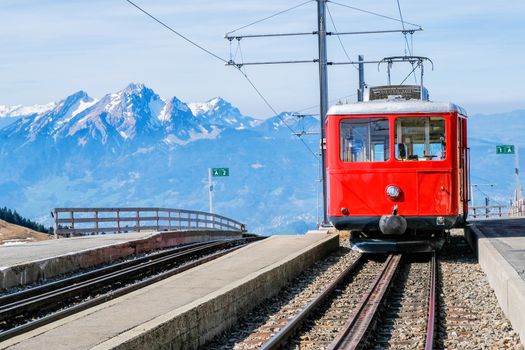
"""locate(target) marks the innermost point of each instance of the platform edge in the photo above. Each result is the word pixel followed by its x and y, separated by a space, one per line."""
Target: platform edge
pixel 508 286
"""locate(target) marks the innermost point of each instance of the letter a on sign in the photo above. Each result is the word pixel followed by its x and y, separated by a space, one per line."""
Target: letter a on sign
pixel 505 149
pixel 220 172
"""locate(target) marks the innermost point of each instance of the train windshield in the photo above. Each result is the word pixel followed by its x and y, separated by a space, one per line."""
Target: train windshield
pixel 420 138
pixel 365 140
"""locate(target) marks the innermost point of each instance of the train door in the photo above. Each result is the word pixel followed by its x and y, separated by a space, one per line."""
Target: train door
pixel 462 165
pixel 466 164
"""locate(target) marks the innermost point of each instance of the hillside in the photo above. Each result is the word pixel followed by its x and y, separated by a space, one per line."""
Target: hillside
pixel 11 234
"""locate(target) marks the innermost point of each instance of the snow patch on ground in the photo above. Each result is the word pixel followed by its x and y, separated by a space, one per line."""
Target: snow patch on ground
pixel 11 242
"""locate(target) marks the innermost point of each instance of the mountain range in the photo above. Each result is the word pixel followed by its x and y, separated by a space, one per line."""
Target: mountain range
pixel 135 148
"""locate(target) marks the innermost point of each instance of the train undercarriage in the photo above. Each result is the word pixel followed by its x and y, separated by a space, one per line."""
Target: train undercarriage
pixel 416 235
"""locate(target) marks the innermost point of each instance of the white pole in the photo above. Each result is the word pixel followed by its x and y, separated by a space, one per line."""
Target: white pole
pixel 472 195
pixel 517 171
pixel 210 186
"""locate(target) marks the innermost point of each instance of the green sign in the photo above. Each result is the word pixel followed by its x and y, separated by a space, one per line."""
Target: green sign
pixel 505 149
pixel 220 172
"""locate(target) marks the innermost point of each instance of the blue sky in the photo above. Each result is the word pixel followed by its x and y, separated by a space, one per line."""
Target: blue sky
pixel 52 48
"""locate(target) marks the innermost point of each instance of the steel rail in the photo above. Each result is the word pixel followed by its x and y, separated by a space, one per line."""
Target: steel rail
pixel 63 282
pixel 52 297
pixel 357 326
pixel 17 308
pixel 287 331
pixel 429 339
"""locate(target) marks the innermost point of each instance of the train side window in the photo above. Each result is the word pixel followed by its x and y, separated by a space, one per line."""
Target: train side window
pixel 420 138
pixel 364 140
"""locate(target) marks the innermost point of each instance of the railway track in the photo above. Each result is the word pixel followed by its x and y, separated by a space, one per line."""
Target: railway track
pixel 368 324
pixel 34 307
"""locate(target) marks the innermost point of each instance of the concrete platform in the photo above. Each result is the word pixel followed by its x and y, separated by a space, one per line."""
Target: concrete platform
pixel 186 310
pixel 27 263
pixel 501 251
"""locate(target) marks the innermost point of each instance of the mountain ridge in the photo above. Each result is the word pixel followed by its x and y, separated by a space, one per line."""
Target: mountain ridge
pixel 133 147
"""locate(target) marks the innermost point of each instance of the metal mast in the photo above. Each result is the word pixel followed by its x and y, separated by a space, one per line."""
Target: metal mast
pixel 323 95
pixel 361 90
pixel 322 61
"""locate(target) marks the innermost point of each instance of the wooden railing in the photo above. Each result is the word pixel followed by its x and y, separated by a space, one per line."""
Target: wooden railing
pixel 488 211
pixel 77 221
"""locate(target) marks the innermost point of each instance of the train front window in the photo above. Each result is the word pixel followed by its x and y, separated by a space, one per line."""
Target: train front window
pixel 420 138
pixel 364 140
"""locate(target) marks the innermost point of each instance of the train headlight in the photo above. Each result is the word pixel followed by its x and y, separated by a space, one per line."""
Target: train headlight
pixel 393 191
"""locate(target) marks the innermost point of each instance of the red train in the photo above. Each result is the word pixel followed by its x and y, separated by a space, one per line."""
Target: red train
pixel 398 170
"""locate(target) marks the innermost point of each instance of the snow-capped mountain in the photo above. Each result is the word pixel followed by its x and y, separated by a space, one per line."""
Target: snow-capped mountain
pixel 220 112
pixel 20 111
pixel 131 114
pixel 282 125
pixel 10 114
pixel 47 122
pixel 135 148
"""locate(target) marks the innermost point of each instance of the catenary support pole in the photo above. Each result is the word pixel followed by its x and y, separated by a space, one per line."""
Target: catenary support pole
pixel 517 171
pixel 210 187
pixel 323 88
pixel 361 90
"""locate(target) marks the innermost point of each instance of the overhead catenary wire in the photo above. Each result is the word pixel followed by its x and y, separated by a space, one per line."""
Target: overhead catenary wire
pixel 373 13
pixel 271 16
pixel 407 45
pixel 275 112
pixel 403 25
pixel 176 32
pixel 265 100
pixel 331 101
pixel 339 37
pixel 412 71
pixel 486 195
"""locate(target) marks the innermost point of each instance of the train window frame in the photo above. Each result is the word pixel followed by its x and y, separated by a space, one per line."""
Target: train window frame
pixel 407 148
pixel 365 153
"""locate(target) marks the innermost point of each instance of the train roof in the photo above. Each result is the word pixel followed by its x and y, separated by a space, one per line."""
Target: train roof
pixel 395 106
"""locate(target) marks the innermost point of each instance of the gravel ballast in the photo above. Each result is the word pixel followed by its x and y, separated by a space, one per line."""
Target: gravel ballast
pixel 470 316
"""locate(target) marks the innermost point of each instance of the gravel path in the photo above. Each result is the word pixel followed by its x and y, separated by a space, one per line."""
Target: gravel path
pixel 470 317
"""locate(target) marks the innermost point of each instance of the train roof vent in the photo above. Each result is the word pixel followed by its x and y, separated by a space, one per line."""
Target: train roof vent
pixel 396 92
